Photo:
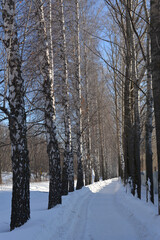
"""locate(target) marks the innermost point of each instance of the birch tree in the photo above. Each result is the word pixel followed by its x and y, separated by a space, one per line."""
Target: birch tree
pixel 149 127
pixel 49 111
pixel 88 135
pixel 79 110
pixel 136 121
pixel 17 119
pixel 67 174
pixel 126 16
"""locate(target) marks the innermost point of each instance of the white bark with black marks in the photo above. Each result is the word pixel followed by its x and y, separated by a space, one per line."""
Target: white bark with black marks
pixel 80 182
pixel 48 90
pixel 148 125
pixel 17 120
pixel 88 167
pixel 68 171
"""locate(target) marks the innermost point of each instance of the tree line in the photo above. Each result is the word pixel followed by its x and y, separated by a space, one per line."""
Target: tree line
pixel 133 60
pixel 81 79
pixel 55 99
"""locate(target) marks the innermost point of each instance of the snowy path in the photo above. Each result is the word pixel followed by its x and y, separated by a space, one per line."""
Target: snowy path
pixel 111 214
pixel 105 221
pixel 100 211
pixel 101 219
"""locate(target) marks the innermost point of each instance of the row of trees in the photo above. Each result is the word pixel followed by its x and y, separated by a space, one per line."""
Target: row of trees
pixel 53 85
pixel 90 104
pixel 37 154
pixel 133 60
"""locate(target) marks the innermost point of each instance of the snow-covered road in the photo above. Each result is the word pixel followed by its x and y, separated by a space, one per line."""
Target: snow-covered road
pixel 100 218
pixel 100 211
pixel 104 218
pixel 111 214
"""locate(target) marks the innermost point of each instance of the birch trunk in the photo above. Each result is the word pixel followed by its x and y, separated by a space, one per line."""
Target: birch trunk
pixel 95 137
pixel 128 138
pixel 137 173
pixel 17 121
pixel 48 90
pixel 117 107
pixel 155 56
pixel 80 182
pixel 68 172
pixel 88 170
pixel 121 139
pixel 101 154
pixel 118 131
pixel 96 166
pixel 149 165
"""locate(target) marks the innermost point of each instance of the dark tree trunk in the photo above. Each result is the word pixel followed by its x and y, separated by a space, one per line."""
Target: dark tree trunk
pixel 71 172
pixel 54 170
pixel 128 129
pixel 96 178
pixel 48 91
pixel 67 172
pixel 101 153
pixel 155 68
pixel 0 172
pixel 137 159
pixel 136 129
pixel 17 121
pixel 149 164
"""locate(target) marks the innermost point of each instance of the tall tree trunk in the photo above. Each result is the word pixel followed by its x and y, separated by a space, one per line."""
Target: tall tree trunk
pixel 117 130
pixel 89 147
pixel 115 84
pixel 137 174
pixel 102 167
pixel 128 137
pixel 48 90
pixel 95 137
pixel 80 182
pixel 67 173
pixel 0 170
pixel 149 164
pixel 17 121
pixel 121 139
pixel 149 167
pixel 96 166
pixel 88 170
pixel 155 56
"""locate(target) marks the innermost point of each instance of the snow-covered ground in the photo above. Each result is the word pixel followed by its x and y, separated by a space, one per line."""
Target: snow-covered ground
pixel 100 211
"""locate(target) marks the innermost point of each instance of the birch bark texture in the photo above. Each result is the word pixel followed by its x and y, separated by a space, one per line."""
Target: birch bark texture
pixel 20 212
pixel 149 116
pixel 88 168
pixel 68 171
pixel 48 91
pixel 80 182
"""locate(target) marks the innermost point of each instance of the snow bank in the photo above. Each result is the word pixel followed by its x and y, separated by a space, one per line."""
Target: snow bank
pixel 60 223
pixel 56 223
pixel 143 215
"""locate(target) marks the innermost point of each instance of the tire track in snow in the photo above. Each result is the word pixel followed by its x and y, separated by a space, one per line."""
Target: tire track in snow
pixel 104 221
